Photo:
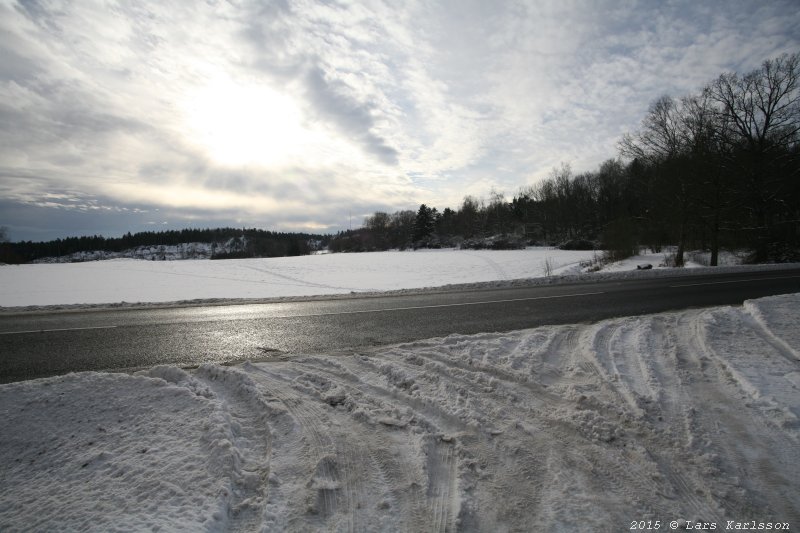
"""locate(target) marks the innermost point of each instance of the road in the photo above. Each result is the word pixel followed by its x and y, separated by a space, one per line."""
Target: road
pixel 44 344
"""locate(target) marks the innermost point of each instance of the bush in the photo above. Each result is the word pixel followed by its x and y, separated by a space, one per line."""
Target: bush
pixel 619 239
pixel 775 252
pixel 578 244
pixel 497 242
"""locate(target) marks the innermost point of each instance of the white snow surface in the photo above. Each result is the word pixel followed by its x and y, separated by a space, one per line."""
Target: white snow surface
pixel 121 282
pixel 689 416
pixel 131 280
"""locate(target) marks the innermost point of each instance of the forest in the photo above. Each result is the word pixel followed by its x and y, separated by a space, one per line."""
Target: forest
pixel 246 243
pixel 712 170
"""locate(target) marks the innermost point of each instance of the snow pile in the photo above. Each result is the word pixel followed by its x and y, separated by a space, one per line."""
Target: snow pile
pixel 688 416
pixel 101 451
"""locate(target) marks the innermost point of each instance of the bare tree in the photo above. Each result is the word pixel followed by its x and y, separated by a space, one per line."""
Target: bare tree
pixel 762 109
pixel 402 228
pixel 763 105
pixel 706 137
pixel 660 136
pixel 664 142
pixel 378 226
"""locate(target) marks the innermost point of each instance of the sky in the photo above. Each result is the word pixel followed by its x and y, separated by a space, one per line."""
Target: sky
pixel 307 116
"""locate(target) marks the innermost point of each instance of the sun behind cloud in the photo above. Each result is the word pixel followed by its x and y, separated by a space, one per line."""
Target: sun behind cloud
pixel 247 124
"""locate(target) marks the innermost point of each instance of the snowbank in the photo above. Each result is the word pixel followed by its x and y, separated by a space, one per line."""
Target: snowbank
pixel 689 416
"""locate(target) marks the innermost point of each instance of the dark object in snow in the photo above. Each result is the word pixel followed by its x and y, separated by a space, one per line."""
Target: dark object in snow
pixel 646 266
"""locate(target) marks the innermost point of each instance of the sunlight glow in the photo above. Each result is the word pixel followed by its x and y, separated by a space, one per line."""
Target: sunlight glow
pixel 188 197
pixel 246 124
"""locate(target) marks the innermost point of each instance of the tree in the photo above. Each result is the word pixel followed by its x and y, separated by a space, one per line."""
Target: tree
pixel 378 226
pixel 663 142
pixel 469 220
pixel 706 137
pixel 424 224
pixel 498 214
pixel 402 229
pixel 762 112
pixel 446 224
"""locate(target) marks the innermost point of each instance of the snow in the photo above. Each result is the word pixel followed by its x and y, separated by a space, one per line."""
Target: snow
pixel 663 259
pixel 688 416
pixel 137 282
pixel 129 280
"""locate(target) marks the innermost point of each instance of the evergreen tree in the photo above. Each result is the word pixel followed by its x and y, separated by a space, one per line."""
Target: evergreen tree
pixel 424 223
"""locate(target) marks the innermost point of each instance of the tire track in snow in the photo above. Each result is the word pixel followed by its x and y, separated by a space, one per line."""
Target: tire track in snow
pixel 560 346
pixel 359 461
pixel 303 283
pixel 326 478
pixel 251 440
pixel 598 344
pixel 443 432
pixel 394 472
pixel 779 319
pixel 756 321
pixel 441 469
pixel 747 444
pixel 666 375
pixel 480 433
pixel 498 270
pixel 762 369
pixel 600 361
pixel 470 375
pixel 679 387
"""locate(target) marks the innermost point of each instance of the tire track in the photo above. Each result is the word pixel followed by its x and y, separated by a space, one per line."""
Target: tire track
pixel 439 504
pixel 328 472
pixel 442 485
pixel 600 362
pixel 303 283
pixel 755 321
pixel 251 440
pixel 498 270
pixel 763 456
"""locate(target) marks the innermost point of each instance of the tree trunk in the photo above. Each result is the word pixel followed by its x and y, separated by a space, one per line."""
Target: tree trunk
pixel 715 240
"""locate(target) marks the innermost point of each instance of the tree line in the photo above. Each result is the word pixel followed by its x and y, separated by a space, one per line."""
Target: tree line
pixel 248 243
pixel 712 170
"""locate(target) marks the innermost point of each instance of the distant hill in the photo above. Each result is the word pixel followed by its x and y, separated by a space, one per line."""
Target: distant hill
pixel 220 243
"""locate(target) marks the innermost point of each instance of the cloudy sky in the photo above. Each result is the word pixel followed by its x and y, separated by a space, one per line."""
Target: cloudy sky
pixel 302 115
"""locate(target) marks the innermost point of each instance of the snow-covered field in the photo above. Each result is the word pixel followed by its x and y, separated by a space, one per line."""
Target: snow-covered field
pixel 131 280
pixel 689 416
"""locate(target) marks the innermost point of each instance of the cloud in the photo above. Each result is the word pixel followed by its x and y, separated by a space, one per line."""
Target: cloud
pixel 332 101
pixel 391 105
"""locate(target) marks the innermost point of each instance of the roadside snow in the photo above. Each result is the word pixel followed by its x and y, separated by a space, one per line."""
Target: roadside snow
pixel 689 416
pixel 663 260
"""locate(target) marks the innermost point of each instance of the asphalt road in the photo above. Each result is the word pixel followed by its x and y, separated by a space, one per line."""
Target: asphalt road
pixel 44 344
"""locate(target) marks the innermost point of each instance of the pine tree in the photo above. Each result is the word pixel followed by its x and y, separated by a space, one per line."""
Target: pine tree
pixel 424 223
